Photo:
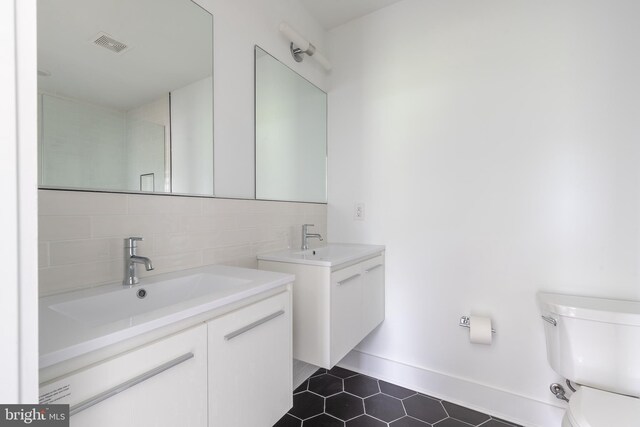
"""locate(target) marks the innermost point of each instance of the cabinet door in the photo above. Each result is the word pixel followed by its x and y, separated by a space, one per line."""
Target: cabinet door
pixel 346 311
pixel 160 384
pixel 372 294
pixel 250 364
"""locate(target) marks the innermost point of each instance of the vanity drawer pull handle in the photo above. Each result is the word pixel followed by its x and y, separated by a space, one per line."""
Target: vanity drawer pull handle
pixel 250 326
pixel 550 319
pixel 348 279
pixel 127 384
pixel 369 270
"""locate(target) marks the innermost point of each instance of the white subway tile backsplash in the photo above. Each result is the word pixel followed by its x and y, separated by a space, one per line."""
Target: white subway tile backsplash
pixel 177 243
pixel 246 262
pixel 134 225
pixel 208 222
pixel 252 219
pixel 79 251
pixel 173 262
pixel 155 205
pixel 81 203
pixel 222 206
pixel 196 223
pixel 76 276
pixel 262 207
pixel 82 233
pixel 266 247
pixel 63 227
pixel 279 234
pixel 227 254
pixel 315 209
pixel 239 236
pixel 43 254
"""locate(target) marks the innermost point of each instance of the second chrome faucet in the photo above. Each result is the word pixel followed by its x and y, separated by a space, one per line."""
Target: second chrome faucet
pixel 306 235
pixel 131 258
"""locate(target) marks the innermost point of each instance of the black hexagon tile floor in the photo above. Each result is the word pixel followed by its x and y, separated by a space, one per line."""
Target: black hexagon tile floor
pixel 343 398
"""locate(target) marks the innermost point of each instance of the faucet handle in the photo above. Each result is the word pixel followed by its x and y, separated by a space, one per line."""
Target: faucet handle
pixel 130 242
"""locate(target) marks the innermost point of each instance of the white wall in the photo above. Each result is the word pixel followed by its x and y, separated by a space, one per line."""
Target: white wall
pixel 237 27
pixel 495 145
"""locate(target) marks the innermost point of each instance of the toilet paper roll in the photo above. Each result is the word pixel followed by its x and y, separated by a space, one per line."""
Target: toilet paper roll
pixel 480 330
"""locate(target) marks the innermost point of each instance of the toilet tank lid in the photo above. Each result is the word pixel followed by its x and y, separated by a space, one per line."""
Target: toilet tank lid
pixel 597 309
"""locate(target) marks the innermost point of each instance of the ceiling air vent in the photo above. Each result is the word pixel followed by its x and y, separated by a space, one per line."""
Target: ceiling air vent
pixel 106 41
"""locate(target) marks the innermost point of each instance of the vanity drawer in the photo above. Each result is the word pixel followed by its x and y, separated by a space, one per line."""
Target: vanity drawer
pixel 160 384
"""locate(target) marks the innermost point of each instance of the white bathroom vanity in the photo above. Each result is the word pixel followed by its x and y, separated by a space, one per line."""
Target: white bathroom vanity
pixel 186 348
pixel 338 297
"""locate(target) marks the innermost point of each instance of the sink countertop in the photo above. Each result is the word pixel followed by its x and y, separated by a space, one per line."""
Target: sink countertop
pixel 62 337
pixel 330 255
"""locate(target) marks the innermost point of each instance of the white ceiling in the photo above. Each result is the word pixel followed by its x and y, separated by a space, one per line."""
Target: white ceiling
pixel 332 13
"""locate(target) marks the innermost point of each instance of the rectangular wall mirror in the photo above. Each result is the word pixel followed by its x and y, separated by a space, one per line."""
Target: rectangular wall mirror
pixel 125 96
pixel 291 134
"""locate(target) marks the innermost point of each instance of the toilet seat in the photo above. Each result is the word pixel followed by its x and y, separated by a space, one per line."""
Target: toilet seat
pixel 590 407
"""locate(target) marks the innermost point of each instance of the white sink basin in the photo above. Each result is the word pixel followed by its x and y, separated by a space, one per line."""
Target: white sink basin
pixel 331 255
pixel 79 322
pixel 329 252
pixel 125 302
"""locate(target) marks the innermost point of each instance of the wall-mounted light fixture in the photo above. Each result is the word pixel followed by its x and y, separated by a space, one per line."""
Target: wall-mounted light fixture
pixel 299 46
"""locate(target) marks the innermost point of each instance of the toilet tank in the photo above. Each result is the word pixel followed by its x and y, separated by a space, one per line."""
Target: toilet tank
pixel 595 342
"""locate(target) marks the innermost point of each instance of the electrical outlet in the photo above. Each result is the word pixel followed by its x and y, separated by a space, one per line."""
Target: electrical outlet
pixel 358 213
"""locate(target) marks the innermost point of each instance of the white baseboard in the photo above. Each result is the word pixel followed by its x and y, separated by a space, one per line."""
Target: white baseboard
pixel 499 403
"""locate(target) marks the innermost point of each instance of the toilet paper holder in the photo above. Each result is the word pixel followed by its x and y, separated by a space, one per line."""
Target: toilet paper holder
pixel 465 322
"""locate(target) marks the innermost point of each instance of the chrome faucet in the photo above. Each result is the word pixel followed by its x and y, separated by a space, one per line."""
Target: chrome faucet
pixel 306 235
pixel 131 259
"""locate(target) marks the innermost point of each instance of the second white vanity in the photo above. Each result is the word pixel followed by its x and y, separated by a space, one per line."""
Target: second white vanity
pixel 338 297
pixel 189 348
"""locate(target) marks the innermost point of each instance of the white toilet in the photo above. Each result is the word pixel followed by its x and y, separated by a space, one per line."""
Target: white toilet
pixel 595 343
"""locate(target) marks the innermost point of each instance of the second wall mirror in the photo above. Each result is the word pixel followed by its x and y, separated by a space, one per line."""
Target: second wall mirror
pixel 291 134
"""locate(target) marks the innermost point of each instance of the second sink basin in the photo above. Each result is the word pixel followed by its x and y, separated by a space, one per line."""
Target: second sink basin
pixel 129 302
pixel 331 255
pixel 329 252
